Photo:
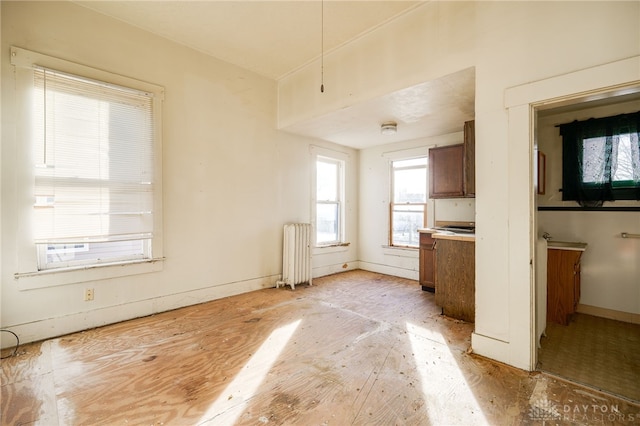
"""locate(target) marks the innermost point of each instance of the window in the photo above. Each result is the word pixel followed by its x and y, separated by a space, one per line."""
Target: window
pixel 408 201
pixel 601 159
pixel 329 201
pixel 94 170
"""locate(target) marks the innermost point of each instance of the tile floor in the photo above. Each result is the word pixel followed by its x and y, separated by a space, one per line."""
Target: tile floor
pixel 597 352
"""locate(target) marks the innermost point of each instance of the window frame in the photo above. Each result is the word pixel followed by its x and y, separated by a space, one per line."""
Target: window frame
pixel 340 159
pixel 606 131
pixel 393 204
pixel 28 275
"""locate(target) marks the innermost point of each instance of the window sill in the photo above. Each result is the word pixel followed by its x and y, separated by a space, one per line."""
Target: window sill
pixel 80 274
pixel 331 248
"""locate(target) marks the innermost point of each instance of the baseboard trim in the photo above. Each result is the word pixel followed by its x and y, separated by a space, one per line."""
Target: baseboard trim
pixel 389 270
pixel 60 326
pixel 322 271
pixel 498 350
pixel 608 313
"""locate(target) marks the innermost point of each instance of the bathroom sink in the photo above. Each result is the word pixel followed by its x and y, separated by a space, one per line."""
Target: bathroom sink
pixel 566 245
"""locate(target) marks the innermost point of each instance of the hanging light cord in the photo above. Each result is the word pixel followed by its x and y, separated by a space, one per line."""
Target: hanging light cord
pixel 322 47
pixel 44 94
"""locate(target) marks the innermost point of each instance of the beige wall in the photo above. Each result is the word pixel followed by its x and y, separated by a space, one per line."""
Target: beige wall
pixel 231 180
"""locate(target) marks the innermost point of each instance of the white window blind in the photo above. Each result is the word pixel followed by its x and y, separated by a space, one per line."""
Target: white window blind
pixel 94 160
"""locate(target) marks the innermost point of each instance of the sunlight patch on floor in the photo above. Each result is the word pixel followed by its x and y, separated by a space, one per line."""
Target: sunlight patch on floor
pixel 232 401
pixel 447 395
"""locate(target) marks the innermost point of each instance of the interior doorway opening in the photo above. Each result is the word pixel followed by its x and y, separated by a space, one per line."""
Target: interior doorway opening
pixel 599 344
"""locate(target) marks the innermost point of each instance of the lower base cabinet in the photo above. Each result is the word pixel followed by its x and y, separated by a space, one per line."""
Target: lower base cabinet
pixel 427 277
pixel 563 284
pixel 455 278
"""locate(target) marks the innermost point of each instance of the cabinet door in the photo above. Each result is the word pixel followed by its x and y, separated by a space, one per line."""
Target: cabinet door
pixel 563 284
pixel 455 279
pixel 446 177
pixel 576 283
pixel 427 262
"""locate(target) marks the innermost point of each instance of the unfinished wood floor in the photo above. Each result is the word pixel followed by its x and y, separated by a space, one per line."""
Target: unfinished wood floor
pixel 353 349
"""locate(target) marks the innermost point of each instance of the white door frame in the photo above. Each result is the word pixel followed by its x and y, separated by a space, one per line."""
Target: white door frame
pixel 523 102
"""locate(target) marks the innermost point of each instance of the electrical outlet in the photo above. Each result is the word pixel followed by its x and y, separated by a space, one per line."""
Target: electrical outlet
pixel 88 294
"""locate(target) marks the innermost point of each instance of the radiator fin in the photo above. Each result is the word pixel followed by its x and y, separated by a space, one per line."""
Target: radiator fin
pixel 296 255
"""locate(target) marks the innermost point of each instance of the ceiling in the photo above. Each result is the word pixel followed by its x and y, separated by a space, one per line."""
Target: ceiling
pixel 276 38
pixel 432 108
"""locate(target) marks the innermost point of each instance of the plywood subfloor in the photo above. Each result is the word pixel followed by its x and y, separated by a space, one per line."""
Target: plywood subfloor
pixel 356 348
pixel 598 352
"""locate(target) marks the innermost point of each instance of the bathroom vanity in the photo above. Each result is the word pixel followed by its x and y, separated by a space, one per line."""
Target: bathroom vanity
pixel 563 280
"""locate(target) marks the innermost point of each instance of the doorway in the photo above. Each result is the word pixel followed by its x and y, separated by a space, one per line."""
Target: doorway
pixel 600 345
pixel 524 104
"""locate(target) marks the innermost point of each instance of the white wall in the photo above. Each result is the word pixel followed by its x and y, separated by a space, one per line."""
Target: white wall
pixel 610 268
pixel 510 44
pixel 454 209
pixel 231 180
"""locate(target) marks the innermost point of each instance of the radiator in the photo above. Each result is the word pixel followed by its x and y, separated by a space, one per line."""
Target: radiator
pixel 296 255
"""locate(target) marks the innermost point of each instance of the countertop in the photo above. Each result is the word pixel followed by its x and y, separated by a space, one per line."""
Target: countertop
pixel 448 235
pixel 427 230
pixel 566 245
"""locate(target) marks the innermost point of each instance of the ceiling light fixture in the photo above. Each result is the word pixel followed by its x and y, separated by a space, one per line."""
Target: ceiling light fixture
pixel 389 128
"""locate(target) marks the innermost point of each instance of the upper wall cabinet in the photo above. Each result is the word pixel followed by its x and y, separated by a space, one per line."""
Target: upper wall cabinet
pixel 469 164
pixel 446 176
pixel 452 168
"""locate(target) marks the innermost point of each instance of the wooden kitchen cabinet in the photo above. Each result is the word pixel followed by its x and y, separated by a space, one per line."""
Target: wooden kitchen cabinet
pixel 427 277
pixel 452 168
pixel 469 163
pixel 563 284
pixel 446 176
pixel 455 278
